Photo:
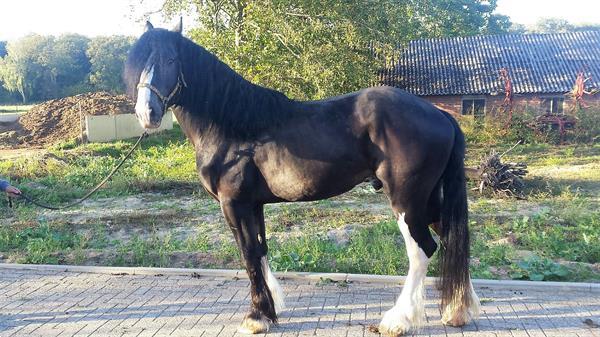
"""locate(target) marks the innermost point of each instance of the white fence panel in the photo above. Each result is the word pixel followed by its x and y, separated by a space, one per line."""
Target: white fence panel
pixel 106 128
pixel 9 117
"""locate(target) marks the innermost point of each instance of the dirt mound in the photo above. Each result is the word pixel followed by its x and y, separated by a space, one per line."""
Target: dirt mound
pixel 59 120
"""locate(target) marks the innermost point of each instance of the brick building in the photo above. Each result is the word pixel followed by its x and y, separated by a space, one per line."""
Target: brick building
pixel 463 75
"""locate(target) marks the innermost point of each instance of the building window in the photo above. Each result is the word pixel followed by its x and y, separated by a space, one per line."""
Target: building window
pixel 553 105
pixel 473 106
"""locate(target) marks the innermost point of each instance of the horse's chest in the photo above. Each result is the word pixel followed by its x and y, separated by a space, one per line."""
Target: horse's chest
pixel 229 176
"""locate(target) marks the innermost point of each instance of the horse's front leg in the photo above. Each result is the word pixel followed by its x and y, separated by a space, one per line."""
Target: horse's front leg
pixel 246 223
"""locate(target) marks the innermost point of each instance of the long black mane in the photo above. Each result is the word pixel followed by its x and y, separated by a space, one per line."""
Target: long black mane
pixel 216 96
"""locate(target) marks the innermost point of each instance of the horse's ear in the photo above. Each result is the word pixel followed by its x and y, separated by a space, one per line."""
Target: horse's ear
pixel 149 26
pixel 179 26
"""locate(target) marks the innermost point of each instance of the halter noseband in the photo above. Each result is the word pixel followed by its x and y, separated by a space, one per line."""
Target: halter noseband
pixel 166 99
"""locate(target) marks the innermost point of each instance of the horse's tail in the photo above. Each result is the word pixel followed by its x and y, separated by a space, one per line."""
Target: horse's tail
pixel 454 280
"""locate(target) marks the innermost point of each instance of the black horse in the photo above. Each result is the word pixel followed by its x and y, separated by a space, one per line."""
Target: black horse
pixel 255 146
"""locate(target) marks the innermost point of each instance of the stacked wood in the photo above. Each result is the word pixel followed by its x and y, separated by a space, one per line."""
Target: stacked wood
pixel 502 179
pixel 498 178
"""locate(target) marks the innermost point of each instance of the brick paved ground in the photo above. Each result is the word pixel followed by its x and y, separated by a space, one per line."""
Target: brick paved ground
pixel 57 303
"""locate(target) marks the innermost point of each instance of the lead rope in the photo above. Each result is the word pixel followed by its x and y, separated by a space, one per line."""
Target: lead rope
pixel 77 202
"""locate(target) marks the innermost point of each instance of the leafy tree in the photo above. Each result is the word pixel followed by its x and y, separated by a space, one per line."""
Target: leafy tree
pixel 552 25
pixel 4 94
pixel 555 25
pixel 497 24
pixel 2 48
pixel 23 69
pixel 42 67
pixel 107 56
pixel 517 28
pixel 586 27
pixel 313 49
pixel 70 65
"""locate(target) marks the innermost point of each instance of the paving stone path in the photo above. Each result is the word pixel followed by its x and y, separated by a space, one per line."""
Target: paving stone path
pixel 49 303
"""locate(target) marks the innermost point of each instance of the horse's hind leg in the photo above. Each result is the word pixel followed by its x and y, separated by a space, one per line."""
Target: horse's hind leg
pixel 247 224
pixel 409 309
pixel 455 314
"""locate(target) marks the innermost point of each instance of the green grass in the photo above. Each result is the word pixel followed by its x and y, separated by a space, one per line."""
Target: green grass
pixel 553 235
pixel 163 162
pixel 40 243
pixel 374 250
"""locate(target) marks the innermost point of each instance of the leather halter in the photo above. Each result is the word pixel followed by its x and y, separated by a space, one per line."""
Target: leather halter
pixel 165 100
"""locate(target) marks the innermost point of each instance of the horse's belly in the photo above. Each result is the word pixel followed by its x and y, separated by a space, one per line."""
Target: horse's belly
pixel 316 159
pixel 311 180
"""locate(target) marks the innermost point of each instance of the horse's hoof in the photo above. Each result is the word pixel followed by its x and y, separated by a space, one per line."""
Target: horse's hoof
pixel 462 315
pixel 457 318
pixel 455 321
pixel 252 326
pixel 394 324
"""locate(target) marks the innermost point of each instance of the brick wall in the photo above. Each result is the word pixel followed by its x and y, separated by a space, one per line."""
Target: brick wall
pixel 493 104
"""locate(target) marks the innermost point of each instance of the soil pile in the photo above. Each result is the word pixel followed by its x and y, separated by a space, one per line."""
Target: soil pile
pixel 59 120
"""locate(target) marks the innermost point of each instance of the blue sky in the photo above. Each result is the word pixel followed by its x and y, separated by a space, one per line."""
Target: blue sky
pixel 106 17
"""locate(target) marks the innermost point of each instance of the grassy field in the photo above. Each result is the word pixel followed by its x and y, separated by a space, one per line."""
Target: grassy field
pixel 14 108
pixel 153 213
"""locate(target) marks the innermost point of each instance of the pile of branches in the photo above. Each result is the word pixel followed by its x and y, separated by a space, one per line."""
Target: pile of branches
pixel 500 179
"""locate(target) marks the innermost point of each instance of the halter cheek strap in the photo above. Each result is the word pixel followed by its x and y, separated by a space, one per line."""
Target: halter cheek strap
pixel 165 100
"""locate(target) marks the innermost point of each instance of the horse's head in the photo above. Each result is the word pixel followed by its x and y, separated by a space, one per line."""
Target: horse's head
pixel 153 73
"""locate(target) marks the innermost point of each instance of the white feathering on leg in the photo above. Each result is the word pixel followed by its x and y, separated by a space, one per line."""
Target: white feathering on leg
pixel 273 284
pixel 475 308
pixel 409 311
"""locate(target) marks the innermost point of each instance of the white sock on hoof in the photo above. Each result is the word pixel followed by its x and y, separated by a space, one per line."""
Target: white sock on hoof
pixel 409 310
pixel 457 314
pixel 395 322
pixel 252 326
pixel 273 284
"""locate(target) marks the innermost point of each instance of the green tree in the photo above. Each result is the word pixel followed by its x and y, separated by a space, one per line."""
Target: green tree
pixel 107 56
pixel 69 64
pixel 551 25
pixel 517 28
pixel 24 68
pixel 587 27
pixel 4 94
pixel 556 25
pixel 313 49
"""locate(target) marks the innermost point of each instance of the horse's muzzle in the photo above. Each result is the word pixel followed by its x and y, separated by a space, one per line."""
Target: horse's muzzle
pixel 148 119
pixel 151 125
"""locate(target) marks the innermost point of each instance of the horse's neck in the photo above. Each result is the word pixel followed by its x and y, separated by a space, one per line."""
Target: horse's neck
pixel 219 98
pixel 196 132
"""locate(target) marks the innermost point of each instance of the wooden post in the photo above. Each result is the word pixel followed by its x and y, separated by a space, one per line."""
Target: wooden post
pixel 82 125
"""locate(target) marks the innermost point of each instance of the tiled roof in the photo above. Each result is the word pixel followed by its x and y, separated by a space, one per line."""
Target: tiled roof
pixel 537 63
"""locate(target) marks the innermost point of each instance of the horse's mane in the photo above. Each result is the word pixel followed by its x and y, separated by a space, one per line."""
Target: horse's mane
pixel 216 96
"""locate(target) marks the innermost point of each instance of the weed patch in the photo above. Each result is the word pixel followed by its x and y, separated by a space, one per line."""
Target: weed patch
pixel 552 235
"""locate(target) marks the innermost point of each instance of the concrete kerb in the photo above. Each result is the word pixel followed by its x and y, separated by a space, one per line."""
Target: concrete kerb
pixel 336 277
